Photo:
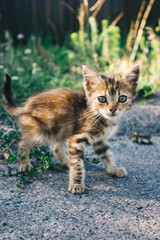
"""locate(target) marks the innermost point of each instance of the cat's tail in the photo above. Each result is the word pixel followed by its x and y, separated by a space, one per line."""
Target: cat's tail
pixel 7 95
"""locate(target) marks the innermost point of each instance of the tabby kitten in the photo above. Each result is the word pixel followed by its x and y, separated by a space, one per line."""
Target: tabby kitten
pixel 65 115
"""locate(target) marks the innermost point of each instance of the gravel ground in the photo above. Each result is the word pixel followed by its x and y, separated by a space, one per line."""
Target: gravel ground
pixel 111 208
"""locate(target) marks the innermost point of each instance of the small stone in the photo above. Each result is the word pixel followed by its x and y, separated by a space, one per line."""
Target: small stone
pixel 11 230
pixel 4 224
pixel 46 218
pixel 17 202
pixel 90 232
pixel 7 203
pixel 139 208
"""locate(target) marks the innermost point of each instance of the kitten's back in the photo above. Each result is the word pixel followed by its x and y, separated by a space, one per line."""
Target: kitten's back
pixel 62 101
pixel 54 112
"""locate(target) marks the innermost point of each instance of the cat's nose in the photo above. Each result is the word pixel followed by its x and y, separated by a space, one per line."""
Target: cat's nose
pixel 112 109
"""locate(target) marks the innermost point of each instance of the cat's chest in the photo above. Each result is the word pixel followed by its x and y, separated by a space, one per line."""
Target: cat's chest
pixel 109 131
pixel 105 134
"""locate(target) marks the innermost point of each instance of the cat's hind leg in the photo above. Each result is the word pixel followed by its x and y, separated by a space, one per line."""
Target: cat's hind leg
pixel 31 136
pixel 59 153
pixel 23 152
pixel 29 140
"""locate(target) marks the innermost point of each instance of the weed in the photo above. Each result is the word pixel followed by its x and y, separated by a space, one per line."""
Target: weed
pixel 95 160
pixel 131 125
pixel 11 158
pixel 46 163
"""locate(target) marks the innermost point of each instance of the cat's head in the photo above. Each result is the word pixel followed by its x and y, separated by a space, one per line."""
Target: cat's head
pixel 110 95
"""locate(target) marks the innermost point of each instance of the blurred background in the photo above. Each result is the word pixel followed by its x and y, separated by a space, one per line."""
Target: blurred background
pixel 43 43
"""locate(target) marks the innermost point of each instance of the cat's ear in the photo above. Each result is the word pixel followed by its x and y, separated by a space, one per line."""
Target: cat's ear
pixel 132 76
pixel 91 78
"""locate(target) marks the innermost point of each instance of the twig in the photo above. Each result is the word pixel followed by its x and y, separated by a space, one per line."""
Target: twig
pixel 13 124
pixel 139 18
pixel 9 130
pixel 8 147
pixel 69 7
pixel 10 151
pixel 130 36
pixel 50 234
pixel 81 17
pixel 140 32
pixel 85 2
pixel 96 5
pixel 116 20
pixel 98 8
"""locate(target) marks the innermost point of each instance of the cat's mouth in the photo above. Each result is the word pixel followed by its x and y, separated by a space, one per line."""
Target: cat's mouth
pixel 109 115
pixel 112 115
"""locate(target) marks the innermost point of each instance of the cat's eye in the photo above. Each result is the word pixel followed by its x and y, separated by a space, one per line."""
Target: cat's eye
pixel 122 99
pixel 102 99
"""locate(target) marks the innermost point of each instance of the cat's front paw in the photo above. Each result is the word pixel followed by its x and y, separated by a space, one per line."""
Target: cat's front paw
pixel 121 172
pixel 76 188
pixel 117 171
pixel 25 166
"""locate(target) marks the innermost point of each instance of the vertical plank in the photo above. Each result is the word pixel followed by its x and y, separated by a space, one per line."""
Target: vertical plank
pixel 30 16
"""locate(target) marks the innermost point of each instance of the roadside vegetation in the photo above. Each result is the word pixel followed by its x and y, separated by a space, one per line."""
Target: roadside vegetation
pixel 41 65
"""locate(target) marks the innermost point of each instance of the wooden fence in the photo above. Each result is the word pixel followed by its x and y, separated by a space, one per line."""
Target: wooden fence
pixel 52 16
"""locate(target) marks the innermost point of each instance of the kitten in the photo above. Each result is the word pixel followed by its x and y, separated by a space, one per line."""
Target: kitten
pixel 65 115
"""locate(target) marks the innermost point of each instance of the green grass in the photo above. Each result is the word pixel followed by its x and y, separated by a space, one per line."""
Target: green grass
pixel 42 69
pixel 41 65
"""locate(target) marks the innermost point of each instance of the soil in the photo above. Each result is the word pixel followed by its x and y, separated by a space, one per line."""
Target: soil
pixel 111 208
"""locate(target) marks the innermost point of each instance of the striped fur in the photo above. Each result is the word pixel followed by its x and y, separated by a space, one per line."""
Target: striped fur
pixel 64 115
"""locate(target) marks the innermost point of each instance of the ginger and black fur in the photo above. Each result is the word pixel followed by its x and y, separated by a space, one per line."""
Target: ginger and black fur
pixel 77 118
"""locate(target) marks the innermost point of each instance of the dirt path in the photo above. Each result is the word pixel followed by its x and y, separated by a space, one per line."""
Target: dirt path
pixel 110 208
